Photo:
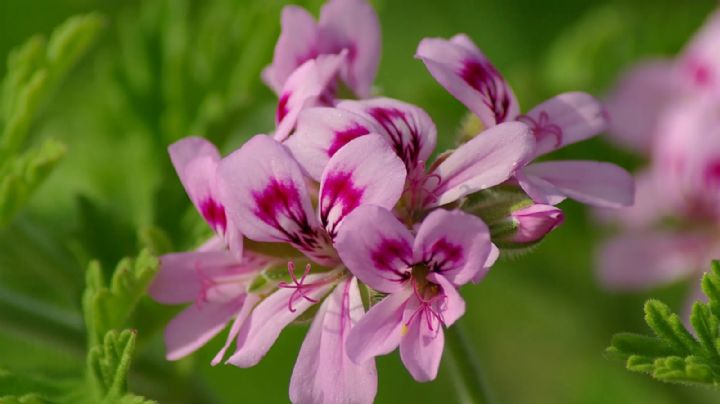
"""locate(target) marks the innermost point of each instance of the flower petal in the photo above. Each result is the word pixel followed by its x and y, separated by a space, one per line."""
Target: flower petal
pixel 460 67
pixel 298 42
pixel 270 316
pixel 366 171
pixel 323 373
pixel 637 261
pixel 565 119
pixel 247 306
pixel 700 61
pixel 266 194
pixel 421 348
pixel 311 84
pixel 408 128
pixel 454 306
pixel 376 248
pixel 379 331
pixel 321 132
pixel 485 161
pixel 353 25
pixel 454 244
pixel 196 325
pixel 595 183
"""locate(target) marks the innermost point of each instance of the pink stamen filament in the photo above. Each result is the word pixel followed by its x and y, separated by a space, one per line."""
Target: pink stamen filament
pixel 426 308
pixel 298 285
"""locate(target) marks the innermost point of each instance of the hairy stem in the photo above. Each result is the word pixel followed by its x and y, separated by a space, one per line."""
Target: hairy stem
pixel 463 368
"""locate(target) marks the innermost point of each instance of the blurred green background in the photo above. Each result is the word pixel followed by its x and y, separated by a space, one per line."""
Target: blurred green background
pixel 164 69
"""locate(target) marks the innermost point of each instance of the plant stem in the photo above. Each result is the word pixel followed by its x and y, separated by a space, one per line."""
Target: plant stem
pixel 463 367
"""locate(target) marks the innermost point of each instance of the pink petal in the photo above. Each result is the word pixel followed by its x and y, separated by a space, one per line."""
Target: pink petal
pixel 353 25
pixel 651 203
pixel 379 331
pixel 311 84
pixel 641 261
pixel 591 182
pixel 454 244
pixel 376 248
pixel 298 42
pixel 266 193
pixel 539 189
pixel 196 160
pixel 406 127
pixel 638 101
pixel 454 306
pixel 460 67
pixel 700 61
pixel 323 373
pixel 270 316
pixel 565 119
pixel 321 132
pixel 421 348
pixel 196 325
pixel 485 161
pixel 247 306
pixel 492 258
pixel 182 277
pixel 366 171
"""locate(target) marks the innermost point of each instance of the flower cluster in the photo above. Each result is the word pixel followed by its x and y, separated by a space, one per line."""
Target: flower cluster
pixel 338 218
pixel 669 110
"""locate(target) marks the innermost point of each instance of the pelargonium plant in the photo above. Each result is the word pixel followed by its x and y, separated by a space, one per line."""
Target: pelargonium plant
pixel 340 218
pixel 669 111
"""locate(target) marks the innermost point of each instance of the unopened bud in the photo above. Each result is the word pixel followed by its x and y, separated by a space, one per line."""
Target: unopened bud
pixel 532 223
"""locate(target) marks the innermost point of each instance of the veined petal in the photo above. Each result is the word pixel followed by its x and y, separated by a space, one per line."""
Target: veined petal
pixel 565 119
pixel 459 66
pixel 323 131
pixel 454 244
pixel 250 301
pixel 408 128
pixel 270 316
pixel 379 331
pixel 637 261
pixel 353 25
pixel 485 161
pixel 595 183
pixel 421 347
pixel 196 325
pixel 311 84
pixel 323 373
pixel 376 248
pixel 196 161
pixel 298 42
pixel 366 171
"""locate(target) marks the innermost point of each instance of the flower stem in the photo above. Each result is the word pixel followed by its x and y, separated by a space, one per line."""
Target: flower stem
pixel 462 366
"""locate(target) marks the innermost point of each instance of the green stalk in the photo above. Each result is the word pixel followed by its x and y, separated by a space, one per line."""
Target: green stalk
pixel 463 368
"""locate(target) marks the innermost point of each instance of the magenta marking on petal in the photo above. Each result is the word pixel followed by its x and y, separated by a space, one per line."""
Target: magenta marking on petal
pixel 280 199
pixel 393 120
pixel 711 174
pixel 443 254
pixel 338 189
pixel 699 71
pixel 483 77
pixel 543 128
pixel 282 108
pixel 387 253
pixel 214 213
pixel 344 136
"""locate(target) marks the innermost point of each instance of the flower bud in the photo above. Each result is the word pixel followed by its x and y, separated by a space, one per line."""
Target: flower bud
pixel 532 223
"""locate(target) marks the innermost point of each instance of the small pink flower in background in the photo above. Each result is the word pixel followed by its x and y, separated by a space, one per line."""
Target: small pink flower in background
pixel 669 110
pixel 420 273
pixel 459 66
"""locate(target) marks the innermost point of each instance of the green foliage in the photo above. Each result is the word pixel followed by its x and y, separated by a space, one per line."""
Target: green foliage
pixel 34 71
pixel 109 306
pixel 675 354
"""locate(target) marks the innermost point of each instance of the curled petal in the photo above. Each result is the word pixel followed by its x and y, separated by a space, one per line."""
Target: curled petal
pixel 595 183
pixel 485 161
pixel 366 171
pixel 454 244
pixel 376 248
pixel 323 373
pixel 459 66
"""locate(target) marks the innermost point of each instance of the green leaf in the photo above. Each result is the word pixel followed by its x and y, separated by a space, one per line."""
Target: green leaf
pixel 674 354
pixel 109 306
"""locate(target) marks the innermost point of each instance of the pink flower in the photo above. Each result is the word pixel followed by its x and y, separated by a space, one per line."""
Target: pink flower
pixel 345 25
pixel 420 273
pixel 465 72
